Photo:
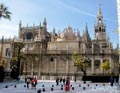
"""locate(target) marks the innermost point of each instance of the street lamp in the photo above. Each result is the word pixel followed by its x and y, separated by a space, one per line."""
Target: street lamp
pixel 75 65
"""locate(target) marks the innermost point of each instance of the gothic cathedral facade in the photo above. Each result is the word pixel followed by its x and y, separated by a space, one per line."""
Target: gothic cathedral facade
pixel 49 53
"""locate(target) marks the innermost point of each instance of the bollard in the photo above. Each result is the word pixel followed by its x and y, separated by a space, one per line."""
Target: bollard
pixel 6 86
pixel 79 85
pixel 24 86
pixel 43 89
pixel 71 85
pixel 61 88
pixel 96 84
pixel 83 88
pixel 39 91
pixel 51 89
pixel 72 88
pixel 52 85
pixel 15 86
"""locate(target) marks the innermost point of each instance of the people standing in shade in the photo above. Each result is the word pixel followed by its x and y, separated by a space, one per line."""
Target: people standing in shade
pixel 111 81
pixel 60 80
pixel 63 81
pixel 57 81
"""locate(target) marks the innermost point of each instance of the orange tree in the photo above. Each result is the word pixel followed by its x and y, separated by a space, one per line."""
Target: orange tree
pixel 79 62
pixel 105 66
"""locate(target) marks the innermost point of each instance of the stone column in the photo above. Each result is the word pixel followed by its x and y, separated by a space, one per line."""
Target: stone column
pixel 55 65
pixel 32 69
pixel 92 48
pixel 101 61
pixel 67 66
pixel 92 64
pixel 100 47
pixel 110 62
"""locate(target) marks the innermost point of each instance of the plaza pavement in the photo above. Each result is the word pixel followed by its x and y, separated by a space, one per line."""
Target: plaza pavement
pixel 78 87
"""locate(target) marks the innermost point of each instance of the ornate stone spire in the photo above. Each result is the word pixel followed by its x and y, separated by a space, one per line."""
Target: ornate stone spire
pixel 86 28
pixel 45 22
pixel 20 24
pixel 99 15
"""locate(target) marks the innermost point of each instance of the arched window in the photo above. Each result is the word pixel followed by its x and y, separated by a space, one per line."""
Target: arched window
pixel 29 35
pixel 99 29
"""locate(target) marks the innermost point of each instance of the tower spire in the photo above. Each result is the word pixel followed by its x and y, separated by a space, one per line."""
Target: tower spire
pixel 20 24
pixel 86 29
pixel 45 23
pixel 99 15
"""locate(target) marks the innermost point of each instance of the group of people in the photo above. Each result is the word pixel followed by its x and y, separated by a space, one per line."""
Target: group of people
pixel 60 80
pixel 31 81
pixel 113 81
pixel 66 82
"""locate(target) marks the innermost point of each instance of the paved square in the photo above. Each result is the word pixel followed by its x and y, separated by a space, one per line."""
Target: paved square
pixel 76 87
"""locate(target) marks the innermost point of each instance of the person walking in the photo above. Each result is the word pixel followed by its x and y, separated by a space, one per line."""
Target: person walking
pixel 67 85
pixel 35 82
pixel 111 81
pixel 28 81
pixel 63 81
pixel 57 81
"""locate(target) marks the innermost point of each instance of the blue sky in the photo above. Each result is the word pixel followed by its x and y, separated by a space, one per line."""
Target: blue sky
pixel 60 14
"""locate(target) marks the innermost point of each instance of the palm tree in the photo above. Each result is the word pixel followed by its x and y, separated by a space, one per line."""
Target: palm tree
pixel 4 12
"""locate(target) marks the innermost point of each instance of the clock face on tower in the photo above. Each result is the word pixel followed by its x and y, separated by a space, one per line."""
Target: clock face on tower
pixel 100 21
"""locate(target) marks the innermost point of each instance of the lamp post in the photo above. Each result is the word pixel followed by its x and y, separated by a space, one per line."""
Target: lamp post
pixel 75 65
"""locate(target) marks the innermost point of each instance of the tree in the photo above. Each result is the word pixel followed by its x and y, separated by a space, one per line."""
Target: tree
pixel 79 62
pixel 4 12
pixel 18 59
pixel 105 66
pixel 14 65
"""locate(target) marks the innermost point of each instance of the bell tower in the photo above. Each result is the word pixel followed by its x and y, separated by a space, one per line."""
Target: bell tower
pixel 99 28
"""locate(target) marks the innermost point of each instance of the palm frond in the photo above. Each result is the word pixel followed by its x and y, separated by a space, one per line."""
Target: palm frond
pixel 4 12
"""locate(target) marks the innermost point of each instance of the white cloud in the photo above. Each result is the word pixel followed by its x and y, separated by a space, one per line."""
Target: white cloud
pixel 8 30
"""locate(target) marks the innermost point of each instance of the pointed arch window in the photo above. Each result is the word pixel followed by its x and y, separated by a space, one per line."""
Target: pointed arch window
pixel 29 35
pixel 99 29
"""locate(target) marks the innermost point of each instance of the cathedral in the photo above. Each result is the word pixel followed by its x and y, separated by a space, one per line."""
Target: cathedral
pixel 49 54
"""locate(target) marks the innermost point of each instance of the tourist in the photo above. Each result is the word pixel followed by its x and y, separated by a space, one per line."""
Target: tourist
pixel 28 81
